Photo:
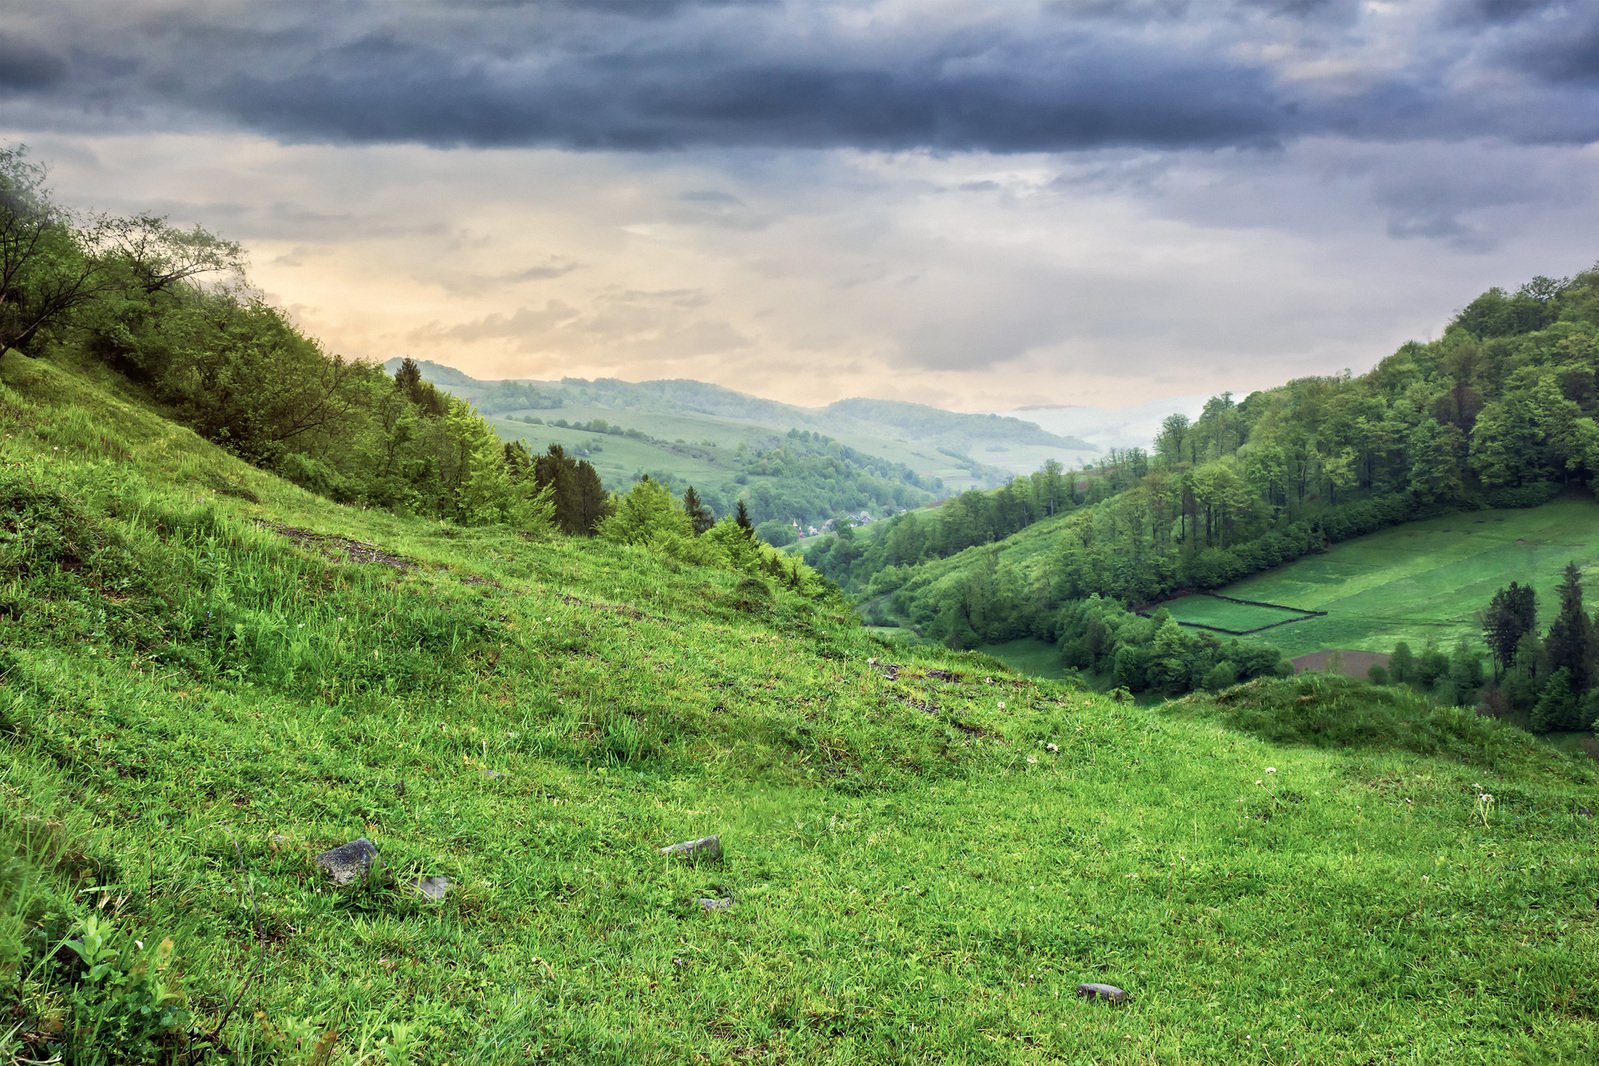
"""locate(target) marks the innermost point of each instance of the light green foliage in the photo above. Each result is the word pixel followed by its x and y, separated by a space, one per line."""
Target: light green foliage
pixel 647 513
pixel 925 854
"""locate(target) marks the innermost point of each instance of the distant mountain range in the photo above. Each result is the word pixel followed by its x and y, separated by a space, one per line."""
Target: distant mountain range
pixel 962 450
pixel 1134 426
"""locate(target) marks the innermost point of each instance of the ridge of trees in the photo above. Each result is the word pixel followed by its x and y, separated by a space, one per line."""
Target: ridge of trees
pixel 1499 411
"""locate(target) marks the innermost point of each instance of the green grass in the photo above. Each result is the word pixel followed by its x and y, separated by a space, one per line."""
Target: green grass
pixel 1203 610
pixel 1029 655
pixel 926 853
pixel 1427 580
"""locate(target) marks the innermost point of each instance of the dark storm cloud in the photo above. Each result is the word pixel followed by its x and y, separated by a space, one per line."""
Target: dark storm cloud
pixel 25 67
pixel 665 74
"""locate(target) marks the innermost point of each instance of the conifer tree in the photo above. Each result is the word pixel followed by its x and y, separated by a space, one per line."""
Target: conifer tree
pixel 741 515
pixel 1570 638
pixel 698 514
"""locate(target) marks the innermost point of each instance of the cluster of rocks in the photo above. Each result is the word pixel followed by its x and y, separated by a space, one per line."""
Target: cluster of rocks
pixel 358 863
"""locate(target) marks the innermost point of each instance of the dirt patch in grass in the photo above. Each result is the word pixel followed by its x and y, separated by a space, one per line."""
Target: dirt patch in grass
pixel 1340 661
pixel 353 550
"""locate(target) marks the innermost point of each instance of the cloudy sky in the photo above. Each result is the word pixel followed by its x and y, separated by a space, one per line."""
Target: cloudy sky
pixel 980 205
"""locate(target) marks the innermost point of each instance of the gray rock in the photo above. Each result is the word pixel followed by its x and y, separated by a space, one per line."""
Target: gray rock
pixel 1089 990
pixel 705 849
pixel 434 888
pixel 349 862
pixel 709 904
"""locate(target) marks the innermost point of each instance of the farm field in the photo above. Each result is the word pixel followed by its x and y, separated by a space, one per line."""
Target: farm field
pixel 1202 609
pixel 1427 580
pixel 1030 656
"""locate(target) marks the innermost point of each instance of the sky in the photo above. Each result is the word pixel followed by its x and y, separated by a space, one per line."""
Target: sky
pixel 976 205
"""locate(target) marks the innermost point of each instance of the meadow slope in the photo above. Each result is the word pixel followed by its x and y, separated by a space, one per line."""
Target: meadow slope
pixel 1420 582
pixel 209 676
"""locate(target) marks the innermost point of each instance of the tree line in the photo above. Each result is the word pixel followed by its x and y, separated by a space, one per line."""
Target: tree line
pixel 1499 411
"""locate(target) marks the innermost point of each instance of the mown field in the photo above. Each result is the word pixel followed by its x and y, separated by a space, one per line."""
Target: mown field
pixel 1203 610
pixel 1427 580
pixel 202 686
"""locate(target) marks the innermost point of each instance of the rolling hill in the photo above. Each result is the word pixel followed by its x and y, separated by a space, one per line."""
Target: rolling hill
pixel 211 678
pixel 690 429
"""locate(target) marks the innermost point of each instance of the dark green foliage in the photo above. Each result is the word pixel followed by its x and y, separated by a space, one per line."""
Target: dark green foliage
pixel 1570 640
pixel 579 499
pixel 699 515
pixel 1156 654
pixel 741 515
pixel 1402 664
pixel 1559 705
pixel 1510 616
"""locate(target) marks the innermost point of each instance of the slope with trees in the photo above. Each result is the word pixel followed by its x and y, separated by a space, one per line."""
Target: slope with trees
pixel 1501 410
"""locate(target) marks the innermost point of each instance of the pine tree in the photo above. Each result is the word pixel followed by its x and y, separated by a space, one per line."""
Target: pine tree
pixel 1570 638
pixel 741 515
pixel 698 514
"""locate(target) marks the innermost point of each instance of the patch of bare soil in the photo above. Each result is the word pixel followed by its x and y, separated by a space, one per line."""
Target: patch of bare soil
pixel 1340 661
pixel 354 551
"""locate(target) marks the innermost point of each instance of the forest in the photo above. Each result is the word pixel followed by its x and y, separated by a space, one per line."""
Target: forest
pixel 1500 411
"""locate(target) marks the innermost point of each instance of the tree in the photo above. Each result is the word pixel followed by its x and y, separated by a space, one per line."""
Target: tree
pixel 1402 664
pixel 1570 639
pixel 646 513
pixel 1559 706
pixel 699 515
pixel 1434 466
pixel 741 515
pixel 1511 614
pixel 160 256
pixel 50 265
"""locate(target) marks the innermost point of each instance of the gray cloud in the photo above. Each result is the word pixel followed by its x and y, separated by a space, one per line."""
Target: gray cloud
pixel 25 68
pixel 651 75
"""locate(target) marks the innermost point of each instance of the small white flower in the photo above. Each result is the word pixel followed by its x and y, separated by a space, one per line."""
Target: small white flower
pixel 1052 748
pixel 1271 769
pixel 1002 705
pixel 1032 760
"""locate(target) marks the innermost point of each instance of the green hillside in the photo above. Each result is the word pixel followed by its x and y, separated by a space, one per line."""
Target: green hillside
pixel 209 677
pixel 1423 581
pixel 689 429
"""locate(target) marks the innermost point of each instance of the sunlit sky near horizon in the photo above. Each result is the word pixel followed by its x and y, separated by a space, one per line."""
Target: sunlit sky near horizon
pixel 980 206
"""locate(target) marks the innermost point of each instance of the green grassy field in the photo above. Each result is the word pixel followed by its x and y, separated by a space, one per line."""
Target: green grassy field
pixel 1205 610
pixel 1427 580
pixel 1030 656
pixel 924 854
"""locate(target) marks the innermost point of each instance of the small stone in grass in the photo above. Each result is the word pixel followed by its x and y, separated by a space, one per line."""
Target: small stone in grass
pixel 1089 990
pixel 705 849
pixel 349 862
pixel 709 904
pixel 434 888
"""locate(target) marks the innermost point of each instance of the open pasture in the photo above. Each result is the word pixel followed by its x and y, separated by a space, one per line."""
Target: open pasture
pixel 1231 616
pixel 1427 580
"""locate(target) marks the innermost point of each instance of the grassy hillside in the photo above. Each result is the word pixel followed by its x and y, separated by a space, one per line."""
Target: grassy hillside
pixel 695 426
pixel 208 677
pixel 1421 581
